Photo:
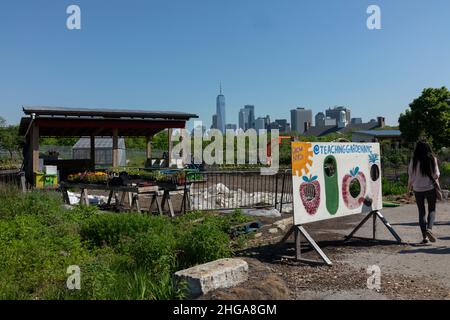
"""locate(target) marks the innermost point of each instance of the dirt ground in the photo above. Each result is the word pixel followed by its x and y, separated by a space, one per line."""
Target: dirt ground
pixel 408 270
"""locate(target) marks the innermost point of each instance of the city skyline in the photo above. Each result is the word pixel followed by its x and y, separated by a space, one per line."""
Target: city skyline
pixel 276 56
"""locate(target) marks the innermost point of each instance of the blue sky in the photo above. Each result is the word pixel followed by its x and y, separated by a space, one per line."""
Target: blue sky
pixel 171 55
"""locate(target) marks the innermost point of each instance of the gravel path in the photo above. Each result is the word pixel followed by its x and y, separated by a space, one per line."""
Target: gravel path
pixel 408 270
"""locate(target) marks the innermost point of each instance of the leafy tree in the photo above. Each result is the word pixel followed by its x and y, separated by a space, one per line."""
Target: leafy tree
pixel 58 141
pixel 428 116
pixel 9 138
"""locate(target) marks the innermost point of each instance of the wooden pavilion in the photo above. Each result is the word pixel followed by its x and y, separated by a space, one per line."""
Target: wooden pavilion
pixel 80 122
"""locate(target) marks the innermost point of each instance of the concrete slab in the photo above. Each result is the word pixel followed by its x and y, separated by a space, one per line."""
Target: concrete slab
pixel 223 273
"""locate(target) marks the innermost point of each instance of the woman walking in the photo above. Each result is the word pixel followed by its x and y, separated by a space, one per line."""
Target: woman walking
pixel 423 174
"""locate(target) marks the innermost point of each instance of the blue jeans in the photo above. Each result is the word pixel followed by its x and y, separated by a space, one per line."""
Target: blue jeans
pixel 420 201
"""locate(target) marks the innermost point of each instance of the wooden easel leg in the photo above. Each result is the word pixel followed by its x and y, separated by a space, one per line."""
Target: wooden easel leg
pixel 314 245
pixel 374 227
pixel 388 226
pixel 122 200
pixel 130 199
pixel 359 226
pixel 299 231
pixel 152 203
pixel 135 203
pixel 158 206
pixel 287 235
pixel 164 199
pixel 169 202
pixel 375 215
pixel 66 198
pixel 82 197
pixel 111 193
pixel 298 244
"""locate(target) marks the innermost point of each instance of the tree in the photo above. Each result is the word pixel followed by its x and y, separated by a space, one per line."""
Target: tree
pixel 9 138
pixel 428 116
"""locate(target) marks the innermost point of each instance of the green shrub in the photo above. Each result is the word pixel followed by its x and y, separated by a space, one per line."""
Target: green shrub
pixel 203 243
pixel 153 250
pixel 45 205
pixel 110 228
pixel 34 257
pixel 445 169
pixel 121 256
pixel 393 188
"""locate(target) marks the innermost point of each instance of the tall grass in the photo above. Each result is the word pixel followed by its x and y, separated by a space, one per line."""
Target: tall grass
pixel 121 256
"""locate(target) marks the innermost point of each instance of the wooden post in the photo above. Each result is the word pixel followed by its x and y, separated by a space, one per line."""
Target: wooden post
pixel 93 152
pixel 34 150
pixel 169 157
pixel 115 151
pixel 149 148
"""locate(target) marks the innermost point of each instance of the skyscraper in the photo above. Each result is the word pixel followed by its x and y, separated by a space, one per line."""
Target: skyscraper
pixel 335 113
pixel 247 117
pixel 214 121
pixel 220 111
pixel 301 119
pixel 251 115
pixel 260 124
pixel 243 119
pixel 323 121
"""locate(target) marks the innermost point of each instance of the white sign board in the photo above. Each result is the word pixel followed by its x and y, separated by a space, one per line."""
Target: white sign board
pixel 333 180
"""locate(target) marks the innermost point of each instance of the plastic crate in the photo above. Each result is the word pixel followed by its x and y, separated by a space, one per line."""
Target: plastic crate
pixel 43 181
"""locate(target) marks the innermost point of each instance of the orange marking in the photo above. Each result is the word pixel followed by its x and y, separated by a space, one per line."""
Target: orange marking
pixel 301 158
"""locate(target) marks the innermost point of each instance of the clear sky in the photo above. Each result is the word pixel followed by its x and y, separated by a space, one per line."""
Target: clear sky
pixel 171 55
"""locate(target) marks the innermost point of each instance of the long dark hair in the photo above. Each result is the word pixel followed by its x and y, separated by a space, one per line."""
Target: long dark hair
pixel 423 154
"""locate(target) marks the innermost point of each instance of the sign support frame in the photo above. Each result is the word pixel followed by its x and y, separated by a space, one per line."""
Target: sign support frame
pixel 374 215
pixel 298 231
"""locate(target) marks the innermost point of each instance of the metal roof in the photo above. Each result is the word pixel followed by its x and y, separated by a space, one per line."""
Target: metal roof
pixel 380 133
pixel 106 113
pixel 100 143
pixel 352 127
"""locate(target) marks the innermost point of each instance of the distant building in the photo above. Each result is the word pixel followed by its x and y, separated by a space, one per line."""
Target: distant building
pixel 267 121
pixel 356 121
pixel 220 111
pixel 321 120
pixel 280 124
pixel 214 122
pixel 323 131
pixel 199 129
pixel 247 117
pixel 342 121
pixel 243 119
pixel 376 136
pixel 230 126
pixel 301 120
pixel 251 115
pixel 336 113
pixel 103 151
pixel 260 124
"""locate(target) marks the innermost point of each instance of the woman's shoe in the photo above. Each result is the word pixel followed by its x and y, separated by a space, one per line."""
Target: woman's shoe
pixel 431 236
pixel 424 241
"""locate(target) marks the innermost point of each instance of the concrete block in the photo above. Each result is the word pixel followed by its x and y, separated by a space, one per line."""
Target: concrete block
pixel 223 273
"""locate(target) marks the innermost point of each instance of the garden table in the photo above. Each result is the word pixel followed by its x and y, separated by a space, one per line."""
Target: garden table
pixel 133 193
